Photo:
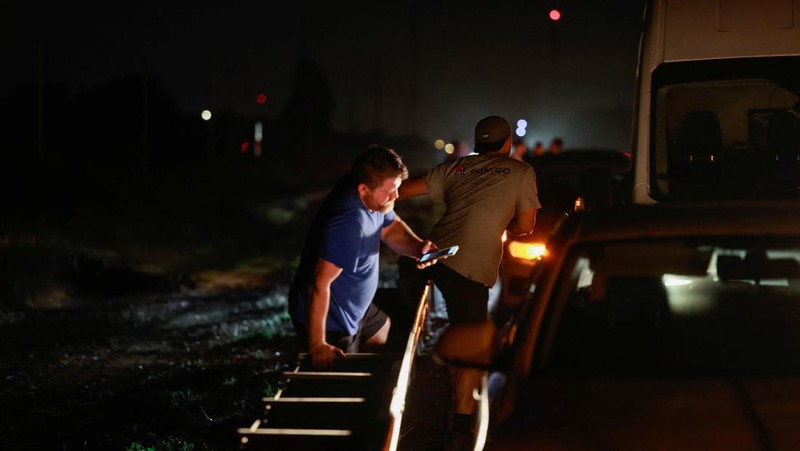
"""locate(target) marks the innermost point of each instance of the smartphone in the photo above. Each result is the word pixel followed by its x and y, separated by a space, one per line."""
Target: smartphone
pixel 441 253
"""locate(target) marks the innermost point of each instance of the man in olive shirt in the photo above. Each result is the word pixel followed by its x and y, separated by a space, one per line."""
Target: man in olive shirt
pixel 485 194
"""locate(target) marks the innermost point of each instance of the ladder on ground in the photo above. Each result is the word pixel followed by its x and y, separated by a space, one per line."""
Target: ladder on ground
pixel 356 405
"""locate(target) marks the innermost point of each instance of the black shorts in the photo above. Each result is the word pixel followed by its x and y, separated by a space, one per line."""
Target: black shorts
pixel 370 324
pixel 467 301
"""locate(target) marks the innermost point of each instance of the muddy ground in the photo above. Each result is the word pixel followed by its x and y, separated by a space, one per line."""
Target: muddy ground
pixel 163 372
pixel 153 318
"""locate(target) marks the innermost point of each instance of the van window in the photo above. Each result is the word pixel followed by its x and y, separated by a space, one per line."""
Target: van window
pixel 725 129
pixel 715 111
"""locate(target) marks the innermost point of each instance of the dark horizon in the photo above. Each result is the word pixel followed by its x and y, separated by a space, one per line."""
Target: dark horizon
pixel 429 70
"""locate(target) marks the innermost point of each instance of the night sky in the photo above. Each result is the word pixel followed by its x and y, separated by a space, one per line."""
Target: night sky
pixel 426 68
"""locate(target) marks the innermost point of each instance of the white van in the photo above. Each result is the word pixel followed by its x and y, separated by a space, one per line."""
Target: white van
pixel 716 113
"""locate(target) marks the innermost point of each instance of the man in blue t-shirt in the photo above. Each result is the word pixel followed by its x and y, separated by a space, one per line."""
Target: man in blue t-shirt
pixel 330 299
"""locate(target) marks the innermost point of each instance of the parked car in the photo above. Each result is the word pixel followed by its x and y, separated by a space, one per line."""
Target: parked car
pixel 658 327
pixel 572 180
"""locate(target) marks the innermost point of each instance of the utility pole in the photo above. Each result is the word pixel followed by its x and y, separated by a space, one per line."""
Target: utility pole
pixel 40 103
pixel 145 156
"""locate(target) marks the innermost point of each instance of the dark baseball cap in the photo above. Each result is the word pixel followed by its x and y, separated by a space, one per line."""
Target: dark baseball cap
pixel 490 133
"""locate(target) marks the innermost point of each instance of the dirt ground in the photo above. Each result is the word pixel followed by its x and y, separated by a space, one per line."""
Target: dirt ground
pixel 163 372
pixel 158 321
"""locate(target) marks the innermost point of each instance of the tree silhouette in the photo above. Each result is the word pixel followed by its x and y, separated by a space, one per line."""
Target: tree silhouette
pixel 307 113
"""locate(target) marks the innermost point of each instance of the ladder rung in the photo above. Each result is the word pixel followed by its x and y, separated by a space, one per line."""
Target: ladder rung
pixel 360 356
pixel 326 375
pixel 314 399
pixel 297 432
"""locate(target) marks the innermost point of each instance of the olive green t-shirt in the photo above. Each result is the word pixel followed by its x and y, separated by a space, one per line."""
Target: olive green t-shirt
pixel 482 194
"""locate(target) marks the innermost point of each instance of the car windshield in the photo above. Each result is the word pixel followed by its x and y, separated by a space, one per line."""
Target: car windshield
pixel 673 308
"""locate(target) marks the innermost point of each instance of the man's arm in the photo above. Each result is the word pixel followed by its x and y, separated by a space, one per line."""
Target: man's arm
pixel 322 353
pixel 415 186
pixel 523 223
pixel 399 237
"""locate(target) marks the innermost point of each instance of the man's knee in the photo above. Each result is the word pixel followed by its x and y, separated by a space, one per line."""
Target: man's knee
pixel 379 338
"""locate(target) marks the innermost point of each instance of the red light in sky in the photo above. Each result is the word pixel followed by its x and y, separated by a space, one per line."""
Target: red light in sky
pixel 261 98
pixel 555 14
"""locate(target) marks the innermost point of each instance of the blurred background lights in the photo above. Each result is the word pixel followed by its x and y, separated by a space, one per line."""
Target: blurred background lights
pixel 439 144
pixel 449 148
pixel 206 115
pixel 521 131
pixel 258 132
pixel 258 135
pixel 261 98
pixel 555 14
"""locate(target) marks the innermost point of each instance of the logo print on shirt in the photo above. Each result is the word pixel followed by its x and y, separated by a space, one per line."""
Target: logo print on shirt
pixel 489 170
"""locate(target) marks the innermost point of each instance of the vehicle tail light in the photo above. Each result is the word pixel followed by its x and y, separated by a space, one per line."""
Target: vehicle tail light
pixel 579 205
pixel 526 251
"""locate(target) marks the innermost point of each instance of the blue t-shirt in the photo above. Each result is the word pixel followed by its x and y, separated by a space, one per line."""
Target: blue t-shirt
pixel 347 234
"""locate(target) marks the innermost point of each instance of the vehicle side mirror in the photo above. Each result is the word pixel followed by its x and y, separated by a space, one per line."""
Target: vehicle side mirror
pixel 467 344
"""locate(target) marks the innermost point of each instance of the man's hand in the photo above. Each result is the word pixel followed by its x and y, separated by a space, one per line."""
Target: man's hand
pixel 323 354
pixel 427 246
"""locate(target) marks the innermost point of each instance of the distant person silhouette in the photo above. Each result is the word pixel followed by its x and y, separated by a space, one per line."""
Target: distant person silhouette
pixel 556 146
pixel 538 149
pixel 520 150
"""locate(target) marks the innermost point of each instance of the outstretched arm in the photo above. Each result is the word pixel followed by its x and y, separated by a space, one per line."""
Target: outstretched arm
pixel 415 186
pixel 523 223
pixel 399 237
